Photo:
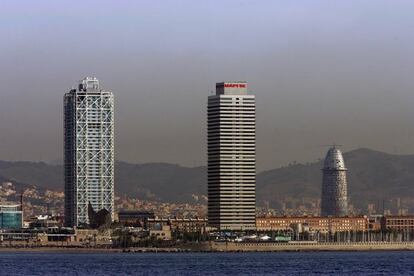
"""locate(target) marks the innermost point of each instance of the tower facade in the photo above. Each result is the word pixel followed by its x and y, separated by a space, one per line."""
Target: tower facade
pixel 334 185
pixel 231 157
pixel 88 151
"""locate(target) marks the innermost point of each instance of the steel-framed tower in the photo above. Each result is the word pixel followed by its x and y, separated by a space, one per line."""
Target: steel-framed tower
pixel 232 157
pixel 88 151
pixel 334 185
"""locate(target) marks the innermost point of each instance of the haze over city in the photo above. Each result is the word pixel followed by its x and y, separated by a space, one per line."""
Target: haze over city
pixel 321 71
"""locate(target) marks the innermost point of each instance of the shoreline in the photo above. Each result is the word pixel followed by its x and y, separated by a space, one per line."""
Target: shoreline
pixel 222 247
pixel 46 249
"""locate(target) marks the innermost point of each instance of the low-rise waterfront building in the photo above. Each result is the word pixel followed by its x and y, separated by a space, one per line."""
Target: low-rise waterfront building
pixel 189 225
pixel 397 223
pixel 11 217
pixel 374 222
pixel 134 218
pixel 319 224
pixel 44 222
pixel 161 233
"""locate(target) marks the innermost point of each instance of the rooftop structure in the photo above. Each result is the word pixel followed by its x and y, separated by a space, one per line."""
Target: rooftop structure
pixel 231 88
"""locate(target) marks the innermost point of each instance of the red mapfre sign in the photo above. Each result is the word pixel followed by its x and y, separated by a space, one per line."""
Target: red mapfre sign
pixel 235 85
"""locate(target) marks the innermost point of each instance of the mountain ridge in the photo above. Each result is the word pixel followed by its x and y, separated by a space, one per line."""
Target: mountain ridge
pixel 372 176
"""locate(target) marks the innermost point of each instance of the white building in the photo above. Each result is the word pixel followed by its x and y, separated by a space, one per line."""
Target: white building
pixel 231 157
pixel 89 151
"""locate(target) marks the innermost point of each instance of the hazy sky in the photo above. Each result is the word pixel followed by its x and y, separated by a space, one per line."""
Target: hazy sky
pixel 322 71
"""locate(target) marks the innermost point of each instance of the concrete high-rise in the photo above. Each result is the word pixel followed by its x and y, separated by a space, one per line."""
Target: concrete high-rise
pixel 231 157
pixel 89 151
pixel 334 185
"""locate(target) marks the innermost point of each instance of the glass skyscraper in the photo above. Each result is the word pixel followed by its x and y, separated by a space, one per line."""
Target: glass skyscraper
pixel 334 185
pixel 89 151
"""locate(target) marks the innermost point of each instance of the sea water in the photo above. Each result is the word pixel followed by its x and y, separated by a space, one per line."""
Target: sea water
pixel 280 263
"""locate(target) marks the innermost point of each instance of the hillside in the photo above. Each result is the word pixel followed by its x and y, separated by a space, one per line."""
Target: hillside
pixel 161 181
pixel 372 176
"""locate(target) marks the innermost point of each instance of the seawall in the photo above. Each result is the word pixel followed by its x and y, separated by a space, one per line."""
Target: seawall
pixel 229 247
pixel 269 246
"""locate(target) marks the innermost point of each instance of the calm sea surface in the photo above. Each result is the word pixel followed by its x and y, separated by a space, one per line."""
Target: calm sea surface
pixel 350 263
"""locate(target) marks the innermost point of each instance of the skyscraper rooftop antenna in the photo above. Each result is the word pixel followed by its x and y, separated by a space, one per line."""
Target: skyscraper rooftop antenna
pixel 333 145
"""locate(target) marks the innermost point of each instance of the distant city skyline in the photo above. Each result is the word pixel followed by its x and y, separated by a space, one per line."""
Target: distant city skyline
pixel 311 64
